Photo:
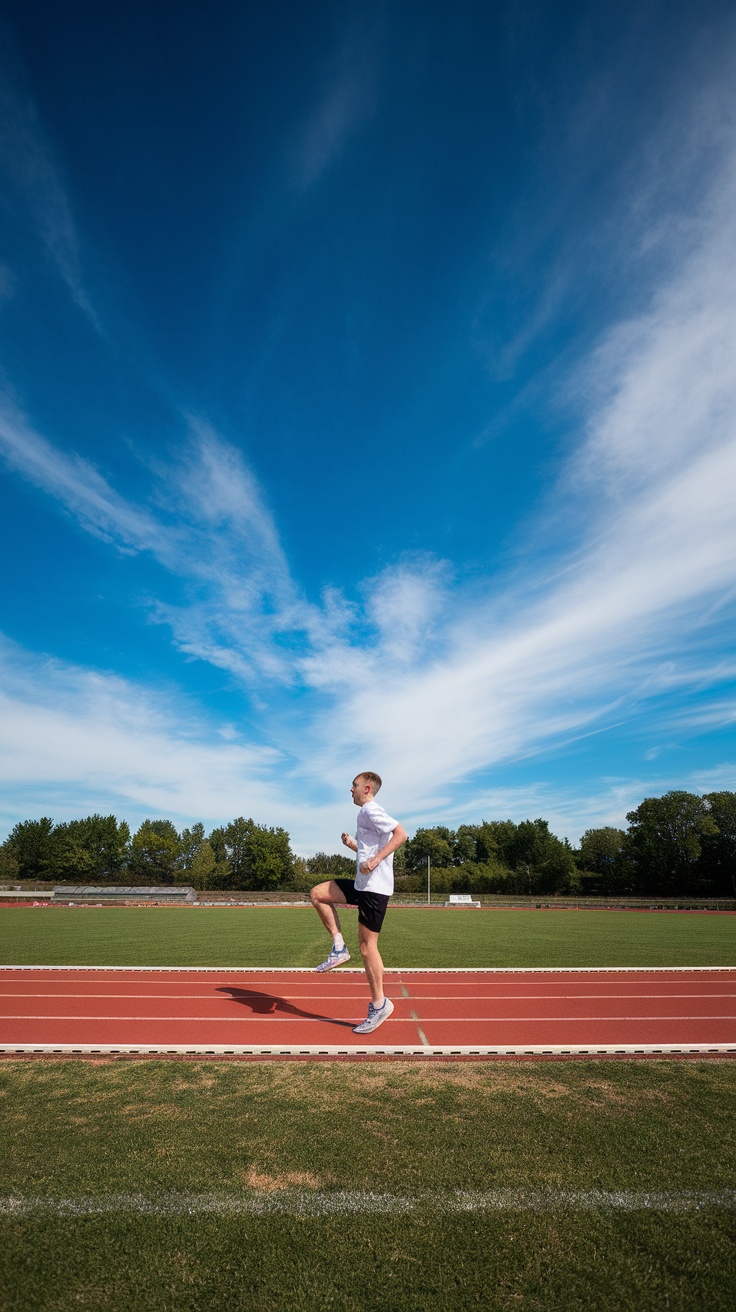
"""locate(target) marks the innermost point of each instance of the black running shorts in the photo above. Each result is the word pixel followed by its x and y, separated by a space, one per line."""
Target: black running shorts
pixel 371 906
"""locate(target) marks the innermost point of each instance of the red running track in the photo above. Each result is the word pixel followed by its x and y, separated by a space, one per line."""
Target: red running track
pixel 267 1012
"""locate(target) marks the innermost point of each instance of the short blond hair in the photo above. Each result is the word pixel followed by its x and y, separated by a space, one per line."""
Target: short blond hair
pixel 372 778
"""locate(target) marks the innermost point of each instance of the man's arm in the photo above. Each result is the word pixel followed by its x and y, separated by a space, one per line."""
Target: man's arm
pixel 350 842
pixel 398 837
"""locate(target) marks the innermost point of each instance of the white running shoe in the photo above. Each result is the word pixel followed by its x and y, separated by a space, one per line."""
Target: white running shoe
pixel 337 957
pixel 376 1016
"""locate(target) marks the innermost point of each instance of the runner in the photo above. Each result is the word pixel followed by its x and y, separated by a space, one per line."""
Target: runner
pixel 377 838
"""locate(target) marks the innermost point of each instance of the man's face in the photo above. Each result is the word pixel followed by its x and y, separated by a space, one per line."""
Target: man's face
pixel 360 790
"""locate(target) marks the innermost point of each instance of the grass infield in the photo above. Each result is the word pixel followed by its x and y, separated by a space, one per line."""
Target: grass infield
pixel 186 936
pixel 557 1144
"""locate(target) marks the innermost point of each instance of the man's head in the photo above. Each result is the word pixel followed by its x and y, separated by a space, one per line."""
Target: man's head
pixel 365 786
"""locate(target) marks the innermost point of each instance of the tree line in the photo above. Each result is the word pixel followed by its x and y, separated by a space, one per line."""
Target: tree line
pixel 100 849
pixel 678 845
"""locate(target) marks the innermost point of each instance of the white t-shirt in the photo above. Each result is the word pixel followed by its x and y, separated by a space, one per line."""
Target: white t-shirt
pixel 375 828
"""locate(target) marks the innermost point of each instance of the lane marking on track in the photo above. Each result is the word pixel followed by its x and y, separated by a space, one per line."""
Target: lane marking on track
pixel 351 997
pixel 303 1202
pixel 312 1020
pixel 413 1015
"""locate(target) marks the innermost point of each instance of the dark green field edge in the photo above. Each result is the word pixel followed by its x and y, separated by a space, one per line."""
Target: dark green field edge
pixel 560 1264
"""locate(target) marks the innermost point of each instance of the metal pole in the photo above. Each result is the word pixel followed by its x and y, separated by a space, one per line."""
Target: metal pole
pixel 429 884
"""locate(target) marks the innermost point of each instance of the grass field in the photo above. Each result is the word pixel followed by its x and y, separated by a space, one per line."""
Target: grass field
pixel 179 936
pixel 203 1142
pixel 158 1186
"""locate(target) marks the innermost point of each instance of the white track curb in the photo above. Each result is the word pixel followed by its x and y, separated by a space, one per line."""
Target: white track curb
pixel 335 1050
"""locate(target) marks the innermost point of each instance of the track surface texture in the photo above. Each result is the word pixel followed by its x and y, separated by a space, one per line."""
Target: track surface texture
pixel 275 1012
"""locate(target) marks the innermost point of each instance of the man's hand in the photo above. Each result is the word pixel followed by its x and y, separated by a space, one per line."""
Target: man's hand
pixel 367 866
pixel 350 842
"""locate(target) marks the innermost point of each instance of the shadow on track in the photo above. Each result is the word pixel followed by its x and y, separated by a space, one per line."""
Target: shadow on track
pixel 268 1004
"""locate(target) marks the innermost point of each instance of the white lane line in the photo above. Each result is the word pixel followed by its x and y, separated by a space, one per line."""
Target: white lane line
pixel 208 1020
pixel 157 996
pixel 434 997
pixel 304 1202
pixel 427 1020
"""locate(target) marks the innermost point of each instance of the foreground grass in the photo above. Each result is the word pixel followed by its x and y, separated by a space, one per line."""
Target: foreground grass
pixel 152 1128
pixel 171 936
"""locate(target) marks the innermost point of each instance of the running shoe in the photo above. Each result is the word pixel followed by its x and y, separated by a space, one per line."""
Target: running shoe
pixel 337 957
pixel 376 1016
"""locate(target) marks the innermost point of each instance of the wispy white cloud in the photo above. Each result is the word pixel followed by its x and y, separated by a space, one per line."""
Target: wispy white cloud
pixel 33 176
pixel 718 713
pixel 665 379
pixel 405 604
pixel 73 741
pixel 721 778
pixel 206 522
pixel 77 485
pixel 344 103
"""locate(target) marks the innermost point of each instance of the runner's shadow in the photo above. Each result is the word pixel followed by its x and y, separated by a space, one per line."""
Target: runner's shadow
pixel 268 1004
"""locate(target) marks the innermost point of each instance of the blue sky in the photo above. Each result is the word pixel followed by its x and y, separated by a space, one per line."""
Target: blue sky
pixel 367 400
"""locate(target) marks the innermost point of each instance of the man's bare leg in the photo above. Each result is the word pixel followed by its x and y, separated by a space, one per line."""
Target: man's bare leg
pixel 323 898
pixel 372 962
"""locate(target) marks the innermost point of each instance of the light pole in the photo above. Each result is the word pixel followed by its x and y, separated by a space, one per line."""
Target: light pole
pixel 429 884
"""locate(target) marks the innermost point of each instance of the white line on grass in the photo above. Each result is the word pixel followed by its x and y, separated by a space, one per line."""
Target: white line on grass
pixel 303 1202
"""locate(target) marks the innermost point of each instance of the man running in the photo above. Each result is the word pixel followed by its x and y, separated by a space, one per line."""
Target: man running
pixel 377 838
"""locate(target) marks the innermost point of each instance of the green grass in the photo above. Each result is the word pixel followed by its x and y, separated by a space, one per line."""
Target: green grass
pixel 171 936
pixel 153 1128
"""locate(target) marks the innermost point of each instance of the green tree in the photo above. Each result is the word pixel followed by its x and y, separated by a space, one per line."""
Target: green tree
pixel 666 834
pixel 605 852
pixel 269 858
pixel 495 842
pixel 198 863
pixel 89 850
pixel 332 866
pixel 70 861
pixel 259 857
pixel 465 845
pixel 31 844
pixel 9 867
pixel 718 858
pixel 230 844
pixel 436 843
pixel 203 871
pixel 543 863
pixel 155 853
pixel 190 843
